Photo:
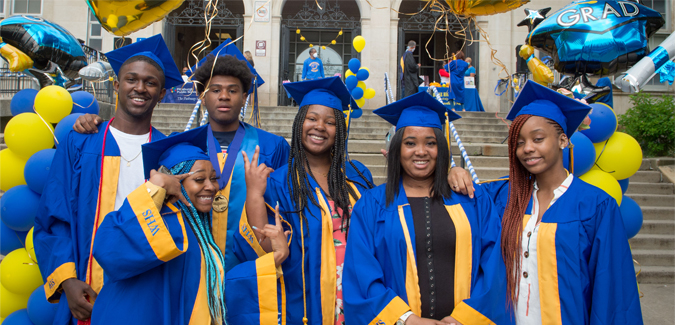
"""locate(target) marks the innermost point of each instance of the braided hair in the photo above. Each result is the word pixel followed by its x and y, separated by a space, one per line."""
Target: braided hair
pixel 521 185
pixel 298 179
pixel 214 260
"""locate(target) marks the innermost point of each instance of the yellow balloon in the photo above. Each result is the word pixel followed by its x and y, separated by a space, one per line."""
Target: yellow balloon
pixel 359 43
pixel 11 169
pixel 604 182
pixel 349 73
pixel 53 103
pixel 30 248
pixel 18 273
pixel 620 155
pixel 333 42
pixel 369 93
pixel 11 302
pixel 123 17
pixel 27 134
pixel 297 31
pixel 483 7
pixel 311 45
pixel 360 101
pixel 302 38
pixel 323 47
pixel 361 85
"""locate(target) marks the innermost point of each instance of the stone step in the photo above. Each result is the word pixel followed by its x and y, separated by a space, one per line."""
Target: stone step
pixel 651 188
pixel 653 257
pixel 658 213
pixel 655 274
pixel 658 227
pixel 650 241
pixel 655 200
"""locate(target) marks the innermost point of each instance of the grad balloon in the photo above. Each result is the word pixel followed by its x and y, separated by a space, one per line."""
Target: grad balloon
pixel 596 37
pixel 123 17
pixel 97 71
pixel 35 42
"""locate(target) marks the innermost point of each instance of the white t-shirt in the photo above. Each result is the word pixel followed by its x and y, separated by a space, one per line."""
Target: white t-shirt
pixel 131 164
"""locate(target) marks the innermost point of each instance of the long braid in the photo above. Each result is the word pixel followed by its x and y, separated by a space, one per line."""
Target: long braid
pixel 521 184
pixel 200 223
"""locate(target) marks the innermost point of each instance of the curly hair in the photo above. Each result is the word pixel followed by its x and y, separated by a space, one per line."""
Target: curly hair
pixel 149 61
pixel 225 65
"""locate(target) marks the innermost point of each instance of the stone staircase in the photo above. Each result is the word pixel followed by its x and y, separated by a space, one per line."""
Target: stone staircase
pixel 482 134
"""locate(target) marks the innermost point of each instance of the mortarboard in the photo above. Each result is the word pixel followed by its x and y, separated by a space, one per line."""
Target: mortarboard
pixel 535 99
pixel 330 92
pixel 153 48
pixel 170 151
pixel 420 109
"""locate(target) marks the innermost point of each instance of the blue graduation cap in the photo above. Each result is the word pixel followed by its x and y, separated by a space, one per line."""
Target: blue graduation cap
pixel 420 109
pixel 179 147
pixel 535 99
pixel 330 92
pixel 153 48
pixel 226 49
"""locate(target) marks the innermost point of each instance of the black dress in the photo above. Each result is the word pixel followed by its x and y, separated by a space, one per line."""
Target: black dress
pixel 435 240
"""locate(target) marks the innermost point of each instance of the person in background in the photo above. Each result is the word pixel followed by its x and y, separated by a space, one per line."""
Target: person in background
pixel 471 71
pixel 91 175
pixel 184 75
pixel 445 76
pixel 249 58
pixel 457 67
pixel 410 76
pixel 312 69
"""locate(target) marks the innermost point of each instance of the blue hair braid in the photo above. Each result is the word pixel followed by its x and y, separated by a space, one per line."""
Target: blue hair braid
pixel 214 260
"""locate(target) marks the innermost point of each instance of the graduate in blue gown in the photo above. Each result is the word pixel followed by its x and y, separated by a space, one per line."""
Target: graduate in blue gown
pixel 457 67
pixel 570 262
pixel 86 177
pixel 315 193
pixel 418 253
pixel 158 249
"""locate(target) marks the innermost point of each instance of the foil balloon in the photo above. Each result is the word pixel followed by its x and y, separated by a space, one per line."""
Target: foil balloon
pixel 97 71
pixel 123 17
pixel 596 37
pixel 41 48
pixel 636 77
pixel 541 73
pixel 483 7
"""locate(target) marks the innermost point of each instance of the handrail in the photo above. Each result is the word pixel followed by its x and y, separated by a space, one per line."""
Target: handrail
pixel 474 177
pixel 193 115
pixel 388 91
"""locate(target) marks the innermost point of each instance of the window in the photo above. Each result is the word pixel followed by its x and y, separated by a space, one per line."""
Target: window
pixel 94 36
pixel 2 8
pixel 663 7
pixel 28 7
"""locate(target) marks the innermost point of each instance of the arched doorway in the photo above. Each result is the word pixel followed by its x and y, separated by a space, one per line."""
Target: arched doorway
pixel 420 28
pixel 319 26
pixel 185 26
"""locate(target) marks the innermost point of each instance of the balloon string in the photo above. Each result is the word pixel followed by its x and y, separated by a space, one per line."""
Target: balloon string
pixel 600 155
pixel 49 126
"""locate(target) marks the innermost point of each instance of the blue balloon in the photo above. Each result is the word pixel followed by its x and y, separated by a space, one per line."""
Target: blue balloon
pixel 363 74
pixel 84 102
pixel 632 216
pixel 354 65
pixel 596 37
pixel 624 185
pixel 18 207
pixel 40 311
pixel 584 154
pixel 357 93
pixel 19 317
pixel 37 169
pixel 23 101
pixel 351 82
pixel 65 125
pixel 603 123
pixel 10 239
pixel 356 113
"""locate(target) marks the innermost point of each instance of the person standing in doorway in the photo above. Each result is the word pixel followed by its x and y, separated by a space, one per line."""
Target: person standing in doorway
pixel 410 77
pixel 313 67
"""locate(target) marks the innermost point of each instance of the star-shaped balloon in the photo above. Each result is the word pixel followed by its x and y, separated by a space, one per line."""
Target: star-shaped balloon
pixel 534 17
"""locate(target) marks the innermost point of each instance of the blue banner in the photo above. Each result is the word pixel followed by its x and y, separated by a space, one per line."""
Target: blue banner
pixel 185 94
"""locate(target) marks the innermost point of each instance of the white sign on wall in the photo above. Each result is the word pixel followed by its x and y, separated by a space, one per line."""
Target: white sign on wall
pixel 262 11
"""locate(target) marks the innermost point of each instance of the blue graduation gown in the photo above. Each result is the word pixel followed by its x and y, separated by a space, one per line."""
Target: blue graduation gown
pixel 274 152
pixel 380 274
pixel 457 68
pixel 252 300
pixel 498 190
pixel 154 263
pixel 64 224
pixel 586 273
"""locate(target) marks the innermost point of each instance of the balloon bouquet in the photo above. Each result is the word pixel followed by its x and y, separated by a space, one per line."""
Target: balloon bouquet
pixel 356 76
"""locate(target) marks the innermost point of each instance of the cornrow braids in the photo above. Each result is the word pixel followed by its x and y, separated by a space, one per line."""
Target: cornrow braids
pixel 521 184
pixel 298 179
pixel 213 258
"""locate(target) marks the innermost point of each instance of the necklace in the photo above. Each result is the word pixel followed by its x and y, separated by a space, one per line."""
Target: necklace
pixel 136 156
